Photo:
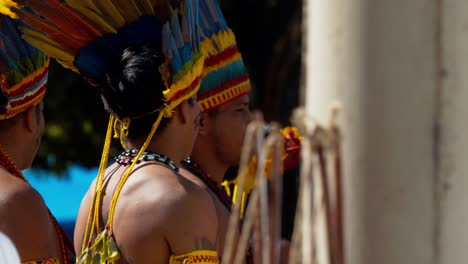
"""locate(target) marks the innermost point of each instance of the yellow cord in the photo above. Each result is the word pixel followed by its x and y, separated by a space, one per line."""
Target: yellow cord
pixel 88 235
pixel 93 216
pixel 129 170
pixel 121 130
pixel 101 175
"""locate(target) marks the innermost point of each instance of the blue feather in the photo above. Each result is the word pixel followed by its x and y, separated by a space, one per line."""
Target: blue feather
pixel 176 33
pixel 10 48
pixel 190 23
pixel 197 24
pixel 205 25
pixel 7 63
pixel 219 14
pixel 10 29
pixel 176 60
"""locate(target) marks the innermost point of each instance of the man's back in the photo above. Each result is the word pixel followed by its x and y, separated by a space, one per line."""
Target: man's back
pixel 158 214
pixel 25 219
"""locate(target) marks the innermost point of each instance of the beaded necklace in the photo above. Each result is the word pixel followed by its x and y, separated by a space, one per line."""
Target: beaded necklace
pixel 215 187
pixel 128 156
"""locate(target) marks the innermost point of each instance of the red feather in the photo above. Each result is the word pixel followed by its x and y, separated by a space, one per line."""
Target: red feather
pixel 51 31
pixel 54 17
pixel 81 22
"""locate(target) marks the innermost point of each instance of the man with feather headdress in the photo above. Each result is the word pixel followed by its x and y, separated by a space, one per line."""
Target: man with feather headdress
pixel 144 57
pixel 224 101
pixel 24 216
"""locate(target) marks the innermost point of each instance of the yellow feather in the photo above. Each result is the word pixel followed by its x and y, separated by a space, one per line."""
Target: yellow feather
pixel 107 7
pixel 6 6
pixel 128 9
pixel 32 33
pixel 92 15
pixel 48 48
pixel 146 7
pixel 68 65
pixel 89 4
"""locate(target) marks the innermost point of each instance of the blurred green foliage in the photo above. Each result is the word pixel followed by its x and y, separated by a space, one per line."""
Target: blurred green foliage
pixel 269 36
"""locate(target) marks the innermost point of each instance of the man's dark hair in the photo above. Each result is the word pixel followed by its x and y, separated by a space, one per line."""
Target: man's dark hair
pixel 134 89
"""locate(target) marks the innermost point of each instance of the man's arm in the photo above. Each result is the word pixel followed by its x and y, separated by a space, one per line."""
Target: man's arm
pixel 81 220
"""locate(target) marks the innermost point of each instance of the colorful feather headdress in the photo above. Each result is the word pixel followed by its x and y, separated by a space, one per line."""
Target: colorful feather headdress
pixel 23 71
pixel 89 36
pixel 225 76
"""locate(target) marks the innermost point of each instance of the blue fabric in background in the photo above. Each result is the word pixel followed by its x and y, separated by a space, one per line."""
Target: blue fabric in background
pixel 63 195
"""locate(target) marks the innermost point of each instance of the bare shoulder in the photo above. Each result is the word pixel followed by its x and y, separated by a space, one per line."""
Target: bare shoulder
pixel 18 200
pixel 169 211
pixel 24 217
pixel 191 222
pixel 82 217
pixel 189 175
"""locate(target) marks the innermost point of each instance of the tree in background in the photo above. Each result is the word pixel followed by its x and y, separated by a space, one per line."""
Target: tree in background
pixel 269 37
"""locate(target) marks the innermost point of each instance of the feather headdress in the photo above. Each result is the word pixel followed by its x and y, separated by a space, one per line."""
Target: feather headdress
pixel 89 36
pixel 225 76
pixel 23 71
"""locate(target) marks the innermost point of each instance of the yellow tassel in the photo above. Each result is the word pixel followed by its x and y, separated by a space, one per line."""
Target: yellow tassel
pixel 92 217
pixel 113 251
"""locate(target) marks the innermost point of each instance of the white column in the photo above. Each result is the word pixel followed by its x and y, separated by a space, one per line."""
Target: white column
pixel 399 68
pixel 453 152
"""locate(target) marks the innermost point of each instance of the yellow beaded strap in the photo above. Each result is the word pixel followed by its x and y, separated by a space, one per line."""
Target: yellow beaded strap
pixel 199 257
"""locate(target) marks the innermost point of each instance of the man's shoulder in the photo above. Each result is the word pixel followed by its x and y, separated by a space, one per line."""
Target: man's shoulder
pixel 164 210
pixel 167 199
pixel 22 209
pixel 170 197
pixel 16 193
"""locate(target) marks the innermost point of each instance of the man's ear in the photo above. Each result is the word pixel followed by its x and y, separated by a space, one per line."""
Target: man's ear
pixel 205 123
pixel 30 119
pixel 181 112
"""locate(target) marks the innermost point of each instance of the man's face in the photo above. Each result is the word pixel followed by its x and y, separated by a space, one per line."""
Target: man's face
pixel 228 129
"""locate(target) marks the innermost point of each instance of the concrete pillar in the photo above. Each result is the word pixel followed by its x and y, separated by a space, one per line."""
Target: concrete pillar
pixel 399 69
